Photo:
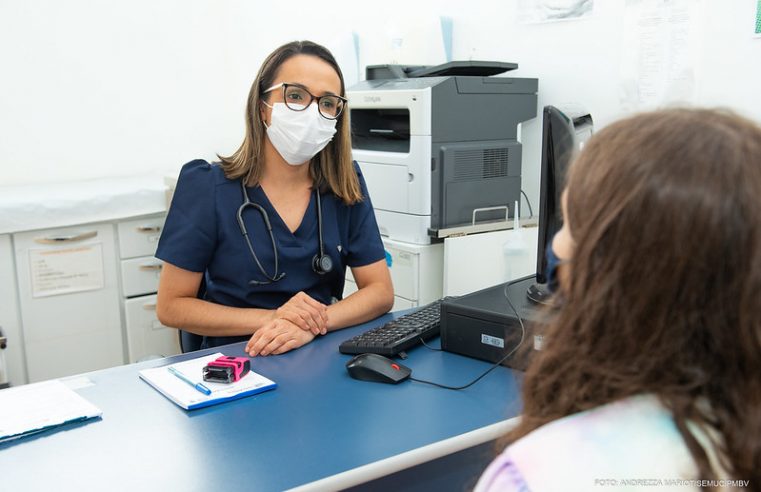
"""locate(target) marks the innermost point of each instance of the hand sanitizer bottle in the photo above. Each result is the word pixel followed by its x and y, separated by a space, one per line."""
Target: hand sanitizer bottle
pixel 515 250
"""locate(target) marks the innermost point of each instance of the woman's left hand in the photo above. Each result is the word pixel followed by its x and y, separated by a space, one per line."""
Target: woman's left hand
pixel 277 337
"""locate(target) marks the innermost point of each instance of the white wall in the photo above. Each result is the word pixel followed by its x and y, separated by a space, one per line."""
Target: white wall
pixel 579 61
pixel 94 89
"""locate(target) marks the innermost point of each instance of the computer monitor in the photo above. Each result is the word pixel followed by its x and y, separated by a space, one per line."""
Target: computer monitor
pixel 564 132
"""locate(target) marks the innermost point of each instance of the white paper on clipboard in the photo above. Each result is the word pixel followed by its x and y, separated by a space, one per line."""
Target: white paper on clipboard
pixel 66 270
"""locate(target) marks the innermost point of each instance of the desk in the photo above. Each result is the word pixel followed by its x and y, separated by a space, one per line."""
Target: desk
pixel 319 430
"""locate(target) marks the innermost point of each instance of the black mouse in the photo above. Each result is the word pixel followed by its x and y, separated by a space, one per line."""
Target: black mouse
pixel 373 367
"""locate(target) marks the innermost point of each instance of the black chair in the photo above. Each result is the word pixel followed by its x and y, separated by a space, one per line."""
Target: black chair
pixel 189 342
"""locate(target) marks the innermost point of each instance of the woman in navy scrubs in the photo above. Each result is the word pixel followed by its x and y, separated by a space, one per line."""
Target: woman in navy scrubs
pixel 226 276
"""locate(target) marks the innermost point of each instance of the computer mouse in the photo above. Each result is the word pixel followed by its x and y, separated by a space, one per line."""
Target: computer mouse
pixel 373 367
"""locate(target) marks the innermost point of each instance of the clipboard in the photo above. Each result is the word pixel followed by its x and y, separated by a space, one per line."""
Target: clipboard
pixel 188 397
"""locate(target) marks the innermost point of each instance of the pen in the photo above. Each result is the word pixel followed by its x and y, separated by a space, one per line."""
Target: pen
pixel 200 387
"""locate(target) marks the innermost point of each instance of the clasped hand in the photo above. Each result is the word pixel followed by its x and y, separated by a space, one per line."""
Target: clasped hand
pixel 306 313
pixel 294 324
pixel 277 337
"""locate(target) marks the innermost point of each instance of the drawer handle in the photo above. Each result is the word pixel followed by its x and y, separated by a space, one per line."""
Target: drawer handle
pixel 66 239
pixel 148 229
pixel 149 306
pixel 151 267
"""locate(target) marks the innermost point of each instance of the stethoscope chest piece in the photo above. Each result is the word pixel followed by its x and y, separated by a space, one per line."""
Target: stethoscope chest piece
pixel 322 264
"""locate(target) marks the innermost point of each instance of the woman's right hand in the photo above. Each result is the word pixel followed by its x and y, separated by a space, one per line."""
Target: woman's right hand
pixel 305 312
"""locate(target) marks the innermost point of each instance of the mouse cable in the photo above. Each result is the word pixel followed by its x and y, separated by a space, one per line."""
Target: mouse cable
pixel 496 364
pixel 428 346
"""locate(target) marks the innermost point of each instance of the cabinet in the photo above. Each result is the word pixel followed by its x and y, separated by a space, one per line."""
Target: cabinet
pixel 416 273
pixel 140 271
pixel 461 265
pixel 478 261
pixel 69 298
pixel 63 281
pixel 12 365
pixel 81 298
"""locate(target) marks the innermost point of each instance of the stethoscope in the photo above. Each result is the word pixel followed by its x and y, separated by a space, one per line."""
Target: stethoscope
pixel 321 263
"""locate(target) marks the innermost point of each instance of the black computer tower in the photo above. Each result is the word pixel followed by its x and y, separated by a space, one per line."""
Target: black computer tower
pixel 483 325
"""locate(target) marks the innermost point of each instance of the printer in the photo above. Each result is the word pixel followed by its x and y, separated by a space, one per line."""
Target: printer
pixel 438 146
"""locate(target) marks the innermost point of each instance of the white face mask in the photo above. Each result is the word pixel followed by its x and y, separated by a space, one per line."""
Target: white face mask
pixel 299 135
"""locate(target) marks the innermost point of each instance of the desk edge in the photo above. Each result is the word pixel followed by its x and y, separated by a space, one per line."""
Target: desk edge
pixel 408 459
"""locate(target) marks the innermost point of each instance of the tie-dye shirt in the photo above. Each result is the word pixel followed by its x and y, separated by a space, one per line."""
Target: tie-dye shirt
pixel 631 444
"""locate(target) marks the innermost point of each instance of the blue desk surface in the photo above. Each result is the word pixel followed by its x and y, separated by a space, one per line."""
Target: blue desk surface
pixel 318 423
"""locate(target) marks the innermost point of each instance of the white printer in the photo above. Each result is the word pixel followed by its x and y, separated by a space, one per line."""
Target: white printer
pixel 438 145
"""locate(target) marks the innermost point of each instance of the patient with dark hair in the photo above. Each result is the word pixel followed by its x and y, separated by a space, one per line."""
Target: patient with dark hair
pixel 650 376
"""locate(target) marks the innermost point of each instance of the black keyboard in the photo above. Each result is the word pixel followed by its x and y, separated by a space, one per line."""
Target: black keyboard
pixel 397 335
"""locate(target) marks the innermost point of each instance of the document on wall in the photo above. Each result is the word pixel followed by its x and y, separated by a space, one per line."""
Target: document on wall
pixel 188 397
pixel 66 270
pixel 659 53
pixel 36 407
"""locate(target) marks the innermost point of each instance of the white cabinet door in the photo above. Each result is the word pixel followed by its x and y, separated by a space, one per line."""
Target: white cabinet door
pixel 416 270
pixel 9 318
pixel 146 336
pixel 69 297
pixel 478 261
pixel 405 271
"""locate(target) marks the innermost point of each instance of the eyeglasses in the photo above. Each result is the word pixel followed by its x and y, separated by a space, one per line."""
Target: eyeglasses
pixel 297 98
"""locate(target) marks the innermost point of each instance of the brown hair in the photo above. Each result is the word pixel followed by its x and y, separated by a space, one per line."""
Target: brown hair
pixel 332 167
pixel 663 292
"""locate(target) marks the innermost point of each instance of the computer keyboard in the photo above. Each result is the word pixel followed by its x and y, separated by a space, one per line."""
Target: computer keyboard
pixel 397 335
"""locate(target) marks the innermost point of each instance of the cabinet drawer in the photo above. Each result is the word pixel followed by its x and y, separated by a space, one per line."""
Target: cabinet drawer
pixel 140 237
pixel 146 336
pixel 140 276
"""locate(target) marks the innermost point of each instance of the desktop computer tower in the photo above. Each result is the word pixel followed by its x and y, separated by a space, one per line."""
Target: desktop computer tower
pixel 484 326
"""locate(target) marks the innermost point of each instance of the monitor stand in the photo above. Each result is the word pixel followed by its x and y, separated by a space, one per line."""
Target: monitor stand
pixel 540 294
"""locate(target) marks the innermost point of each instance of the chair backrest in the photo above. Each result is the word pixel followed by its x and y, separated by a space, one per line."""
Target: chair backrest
pixel 189 342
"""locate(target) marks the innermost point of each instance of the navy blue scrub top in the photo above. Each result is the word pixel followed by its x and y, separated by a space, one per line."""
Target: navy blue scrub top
pixel 201 234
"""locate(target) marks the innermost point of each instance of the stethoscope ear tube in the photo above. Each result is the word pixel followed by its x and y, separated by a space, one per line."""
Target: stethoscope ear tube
pixel 321 263
pixel 248 203
pixel 240 217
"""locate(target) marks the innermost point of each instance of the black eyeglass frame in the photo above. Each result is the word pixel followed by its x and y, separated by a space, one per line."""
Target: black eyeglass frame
pixel 285 86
